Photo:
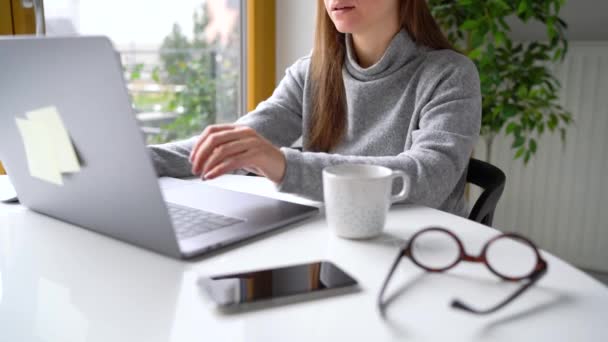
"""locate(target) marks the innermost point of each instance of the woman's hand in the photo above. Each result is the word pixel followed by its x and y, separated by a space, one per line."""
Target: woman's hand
pixel 223 148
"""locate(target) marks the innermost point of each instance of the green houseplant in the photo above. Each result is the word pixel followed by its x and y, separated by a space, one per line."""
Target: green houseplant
pixel 520 95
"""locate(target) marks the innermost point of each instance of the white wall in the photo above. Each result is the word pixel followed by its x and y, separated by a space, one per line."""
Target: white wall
pixel 295 31
pixel 586 21
pixel 559 199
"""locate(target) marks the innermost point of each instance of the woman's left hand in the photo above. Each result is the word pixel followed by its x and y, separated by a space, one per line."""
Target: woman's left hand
pixel 223 148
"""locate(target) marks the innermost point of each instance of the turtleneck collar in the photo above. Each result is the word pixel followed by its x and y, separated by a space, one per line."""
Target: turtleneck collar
pixel 399 51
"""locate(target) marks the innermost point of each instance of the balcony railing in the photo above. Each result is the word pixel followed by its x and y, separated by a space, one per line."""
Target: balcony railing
pixel 152 92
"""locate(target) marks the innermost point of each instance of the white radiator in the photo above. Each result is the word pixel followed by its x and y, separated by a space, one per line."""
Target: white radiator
pixel 560 199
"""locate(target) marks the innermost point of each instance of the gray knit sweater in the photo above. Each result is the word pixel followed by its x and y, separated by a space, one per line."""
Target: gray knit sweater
pixel 416 110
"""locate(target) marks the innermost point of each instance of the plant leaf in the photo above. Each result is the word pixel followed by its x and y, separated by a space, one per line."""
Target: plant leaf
pixel 520 152
pixel 510 110
pixel 532 145
pixel 519 141
pixel 523 7
pixel 469 25
pixel 511 127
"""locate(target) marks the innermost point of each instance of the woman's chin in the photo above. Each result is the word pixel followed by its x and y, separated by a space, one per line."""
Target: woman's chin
pixel 344 27
pixel 346 31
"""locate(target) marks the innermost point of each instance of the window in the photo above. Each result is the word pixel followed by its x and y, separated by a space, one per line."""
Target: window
pixel 182 60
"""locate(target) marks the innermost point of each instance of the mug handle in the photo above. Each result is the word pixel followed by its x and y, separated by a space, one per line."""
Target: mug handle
pixel 401 195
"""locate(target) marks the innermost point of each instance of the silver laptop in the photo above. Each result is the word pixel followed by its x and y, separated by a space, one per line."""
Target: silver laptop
pixel 116 191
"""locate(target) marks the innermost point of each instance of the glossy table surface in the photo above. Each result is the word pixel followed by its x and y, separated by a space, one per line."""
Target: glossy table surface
pixel 59 282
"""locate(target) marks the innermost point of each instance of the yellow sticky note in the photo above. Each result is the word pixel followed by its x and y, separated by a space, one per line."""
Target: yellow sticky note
pixel 57 136
pixel 39 154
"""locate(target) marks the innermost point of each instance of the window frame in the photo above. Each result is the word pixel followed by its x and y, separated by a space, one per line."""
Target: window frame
pixel 6 17
pixel 23 20
pixel 260 54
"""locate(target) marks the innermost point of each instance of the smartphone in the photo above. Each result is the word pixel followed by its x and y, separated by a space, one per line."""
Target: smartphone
pixel 281 285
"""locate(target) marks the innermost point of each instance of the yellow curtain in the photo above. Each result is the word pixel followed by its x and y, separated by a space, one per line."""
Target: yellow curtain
pixel 24 19
pixel 6 17
pixel 261 51
pixel 6 28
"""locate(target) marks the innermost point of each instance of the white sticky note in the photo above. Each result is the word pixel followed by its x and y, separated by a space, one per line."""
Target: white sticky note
pixel 57 136
pixel 39 154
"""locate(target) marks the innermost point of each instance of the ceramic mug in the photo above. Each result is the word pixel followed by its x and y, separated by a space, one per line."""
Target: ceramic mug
pixel 357 198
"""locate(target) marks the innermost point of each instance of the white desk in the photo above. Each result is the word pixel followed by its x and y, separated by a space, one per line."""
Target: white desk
pixel 62 283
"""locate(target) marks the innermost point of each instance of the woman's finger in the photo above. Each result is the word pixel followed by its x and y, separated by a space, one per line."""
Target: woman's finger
pixel 211 142
pixel 227 150
pixel 206 132
pixel 230 164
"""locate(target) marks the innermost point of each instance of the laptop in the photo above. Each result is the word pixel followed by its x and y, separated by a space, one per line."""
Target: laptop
pixel 116 191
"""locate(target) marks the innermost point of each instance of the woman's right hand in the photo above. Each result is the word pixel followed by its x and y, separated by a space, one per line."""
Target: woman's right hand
pixel 224 148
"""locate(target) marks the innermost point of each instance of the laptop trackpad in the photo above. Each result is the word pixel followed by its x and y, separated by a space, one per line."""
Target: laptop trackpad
pixel 259 186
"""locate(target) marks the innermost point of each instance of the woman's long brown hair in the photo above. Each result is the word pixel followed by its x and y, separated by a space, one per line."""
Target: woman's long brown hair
pixel 328 121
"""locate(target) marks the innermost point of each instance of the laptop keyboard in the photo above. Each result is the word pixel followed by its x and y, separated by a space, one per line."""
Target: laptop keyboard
pixel 189 222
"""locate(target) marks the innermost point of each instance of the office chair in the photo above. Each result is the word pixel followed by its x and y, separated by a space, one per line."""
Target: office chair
pixel 492 180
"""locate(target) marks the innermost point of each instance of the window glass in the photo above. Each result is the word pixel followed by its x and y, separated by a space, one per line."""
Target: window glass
pixel 181 59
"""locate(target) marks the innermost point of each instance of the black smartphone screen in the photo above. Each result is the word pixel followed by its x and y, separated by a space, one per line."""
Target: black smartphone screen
pixel 291 281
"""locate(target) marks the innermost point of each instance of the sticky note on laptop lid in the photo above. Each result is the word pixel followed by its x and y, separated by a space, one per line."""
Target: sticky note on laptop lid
pixel 48 148
pixel 63 150
pixel 38 152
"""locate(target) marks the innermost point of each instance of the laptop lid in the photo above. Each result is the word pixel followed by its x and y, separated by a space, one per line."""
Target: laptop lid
pixel 81 77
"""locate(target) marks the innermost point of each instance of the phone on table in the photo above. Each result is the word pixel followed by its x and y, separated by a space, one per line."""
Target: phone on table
pixel 283 285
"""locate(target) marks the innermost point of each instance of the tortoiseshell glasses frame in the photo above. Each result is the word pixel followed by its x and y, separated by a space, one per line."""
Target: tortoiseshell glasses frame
pixel 537 271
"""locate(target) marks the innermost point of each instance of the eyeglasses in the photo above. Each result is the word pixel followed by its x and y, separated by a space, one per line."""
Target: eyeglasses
pixel 438 250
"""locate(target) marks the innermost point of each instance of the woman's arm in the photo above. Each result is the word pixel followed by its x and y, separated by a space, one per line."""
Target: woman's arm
pixel 441 147
pixel 448 126
pixel 278 119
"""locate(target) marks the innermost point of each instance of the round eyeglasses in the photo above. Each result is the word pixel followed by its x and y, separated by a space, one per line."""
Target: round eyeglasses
pixel 438 250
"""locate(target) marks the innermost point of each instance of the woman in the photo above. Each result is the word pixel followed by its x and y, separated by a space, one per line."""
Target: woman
pixel 382 86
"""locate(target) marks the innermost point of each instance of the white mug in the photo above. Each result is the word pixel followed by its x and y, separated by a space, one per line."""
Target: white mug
pixel 357 198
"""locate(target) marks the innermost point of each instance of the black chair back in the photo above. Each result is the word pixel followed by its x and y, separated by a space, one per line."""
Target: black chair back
pixel 492 180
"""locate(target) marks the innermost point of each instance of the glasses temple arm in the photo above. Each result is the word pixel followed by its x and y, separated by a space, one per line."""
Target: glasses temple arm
pixel 381 305
pixel 458 304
